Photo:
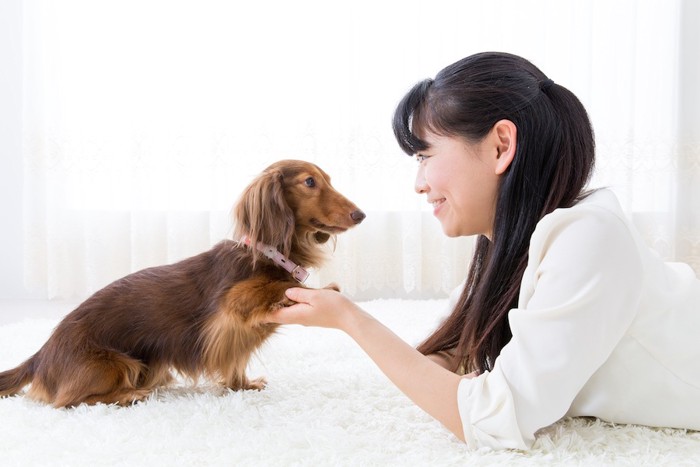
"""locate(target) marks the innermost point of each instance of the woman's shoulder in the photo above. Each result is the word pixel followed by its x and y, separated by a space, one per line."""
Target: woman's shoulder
pixel 598 217
pixel 588 247
pixel 591 239
pixel 597 203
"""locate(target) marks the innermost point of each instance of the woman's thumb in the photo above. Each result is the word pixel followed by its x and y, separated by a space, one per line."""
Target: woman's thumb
pixel 298 294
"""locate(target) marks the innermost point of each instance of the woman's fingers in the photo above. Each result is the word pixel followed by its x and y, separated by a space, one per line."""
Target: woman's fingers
pixel 299 294
pixel 313 307
pixel 288 314
pixel 293 314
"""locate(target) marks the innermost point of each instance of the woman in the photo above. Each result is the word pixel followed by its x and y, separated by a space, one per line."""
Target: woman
pixel 564 311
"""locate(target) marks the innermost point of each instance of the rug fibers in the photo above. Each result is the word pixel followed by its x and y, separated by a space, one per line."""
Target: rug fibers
pixel 326 404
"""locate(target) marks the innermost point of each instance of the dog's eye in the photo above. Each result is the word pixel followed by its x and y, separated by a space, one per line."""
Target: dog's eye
pixel 310 182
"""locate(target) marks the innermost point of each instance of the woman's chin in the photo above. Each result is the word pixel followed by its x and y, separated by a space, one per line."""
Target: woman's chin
pixel 455 231
pixel 450 231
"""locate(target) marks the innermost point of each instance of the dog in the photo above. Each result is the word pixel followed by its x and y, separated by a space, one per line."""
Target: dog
pixel 201 317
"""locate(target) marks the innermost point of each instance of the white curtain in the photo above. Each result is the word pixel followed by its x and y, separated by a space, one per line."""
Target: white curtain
pixel 144 119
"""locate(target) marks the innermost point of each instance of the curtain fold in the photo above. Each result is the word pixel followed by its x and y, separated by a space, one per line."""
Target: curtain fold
pixel 144 120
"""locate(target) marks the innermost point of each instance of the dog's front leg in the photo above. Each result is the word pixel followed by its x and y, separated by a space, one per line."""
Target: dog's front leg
pixel 240 327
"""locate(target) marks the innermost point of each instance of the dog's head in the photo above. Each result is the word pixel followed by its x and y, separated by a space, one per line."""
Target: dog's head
pixel 292 206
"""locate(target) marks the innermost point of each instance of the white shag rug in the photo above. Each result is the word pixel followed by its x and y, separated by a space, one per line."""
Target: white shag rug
pixel 326 404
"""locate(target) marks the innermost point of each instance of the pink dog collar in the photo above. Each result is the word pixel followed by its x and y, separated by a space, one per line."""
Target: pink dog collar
pixel 297 272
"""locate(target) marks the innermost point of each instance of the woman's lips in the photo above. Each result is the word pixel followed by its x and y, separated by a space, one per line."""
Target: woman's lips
pixel 437 204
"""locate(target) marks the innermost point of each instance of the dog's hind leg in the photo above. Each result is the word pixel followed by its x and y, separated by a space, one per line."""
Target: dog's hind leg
pixel 102 376
pixel 155 376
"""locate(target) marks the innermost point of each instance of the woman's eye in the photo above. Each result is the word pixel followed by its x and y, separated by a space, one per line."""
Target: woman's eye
pixel 310 182
pixel 420 158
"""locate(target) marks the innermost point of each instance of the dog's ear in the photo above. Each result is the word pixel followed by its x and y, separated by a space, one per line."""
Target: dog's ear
pixel 263 215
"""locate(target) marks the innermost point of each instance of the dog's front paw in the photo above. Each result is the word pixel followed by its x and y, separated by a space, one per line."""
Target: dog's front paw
pixel 257 384
pixel 333 286
pixel 244 384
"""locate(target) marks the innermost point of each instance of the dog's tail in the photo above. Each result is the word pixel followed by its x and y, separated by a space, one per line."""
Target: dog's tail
pixel 12 381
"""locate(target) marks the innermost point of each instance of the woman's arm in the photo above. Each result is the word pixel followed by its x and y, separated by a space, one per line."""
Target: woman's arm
pixel 441 358
pixel 425 382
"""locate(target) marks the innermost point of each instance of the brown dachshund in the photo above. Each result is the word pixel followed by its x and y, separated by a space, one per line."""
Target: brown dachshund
pixel 203 316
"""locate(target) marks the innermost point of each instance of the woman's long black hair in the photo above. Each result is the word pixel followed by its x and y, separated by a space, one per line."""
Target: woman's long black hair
pixel 553 161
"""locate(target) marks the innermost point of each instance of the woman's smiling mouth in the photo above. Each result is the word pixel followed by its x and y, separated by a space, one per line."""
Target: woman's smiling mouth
pixel 437 204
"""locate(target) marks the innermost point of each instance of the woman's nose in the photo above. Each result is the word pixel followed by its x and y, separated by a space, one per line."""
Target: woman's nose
pixel 421 185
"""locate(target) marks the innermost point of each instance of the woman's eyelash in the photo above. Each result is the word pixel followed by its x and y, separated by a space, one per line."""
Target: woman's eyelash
pixel 421 157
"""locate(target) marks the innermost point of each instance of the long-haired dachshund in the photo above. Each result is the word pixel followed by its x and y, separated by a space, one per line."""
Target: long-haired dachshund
pixel 203 316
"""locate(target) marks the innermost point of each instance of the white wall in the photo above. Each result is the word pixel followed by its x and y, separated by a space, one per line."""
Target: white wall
pixel 11 282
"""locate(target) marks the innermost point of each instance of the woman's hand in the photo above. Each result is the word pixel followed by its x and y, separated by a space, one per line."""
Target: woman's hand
pixel 325 308
pixel 429 385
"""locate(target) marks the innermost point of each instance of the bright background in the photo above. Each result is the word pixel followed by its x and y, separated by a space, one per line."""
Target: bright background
pixel 128 129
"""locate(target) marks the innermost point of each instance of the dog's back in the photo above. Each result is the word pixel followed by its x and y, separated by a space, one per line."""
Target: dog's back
pixel 157 314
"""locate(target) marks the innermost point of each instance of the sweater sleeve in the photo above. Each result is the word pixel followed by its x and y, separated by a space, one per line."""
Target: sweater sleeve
pixel 578 297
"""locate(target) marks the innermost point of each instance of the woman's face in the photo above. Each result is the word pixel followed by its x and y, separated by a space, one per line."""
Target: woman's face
pixel 459 179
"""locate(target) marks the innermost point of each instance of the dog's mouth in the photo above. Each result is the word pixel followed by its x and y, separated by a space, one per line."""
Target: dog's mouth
pixel 332 229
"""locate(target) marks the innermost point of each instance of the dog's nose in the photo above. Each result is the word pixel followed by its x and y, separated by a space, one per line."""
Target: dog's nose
pixel 357 216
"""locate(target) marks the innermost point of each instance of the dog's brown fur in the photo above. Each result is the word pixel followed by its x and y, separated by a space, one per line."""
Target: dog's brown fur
pixel 203 316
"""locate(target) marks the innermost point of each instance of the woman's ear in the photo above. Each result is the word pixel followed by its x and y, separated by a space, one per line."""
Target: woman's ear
pixel 505 136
